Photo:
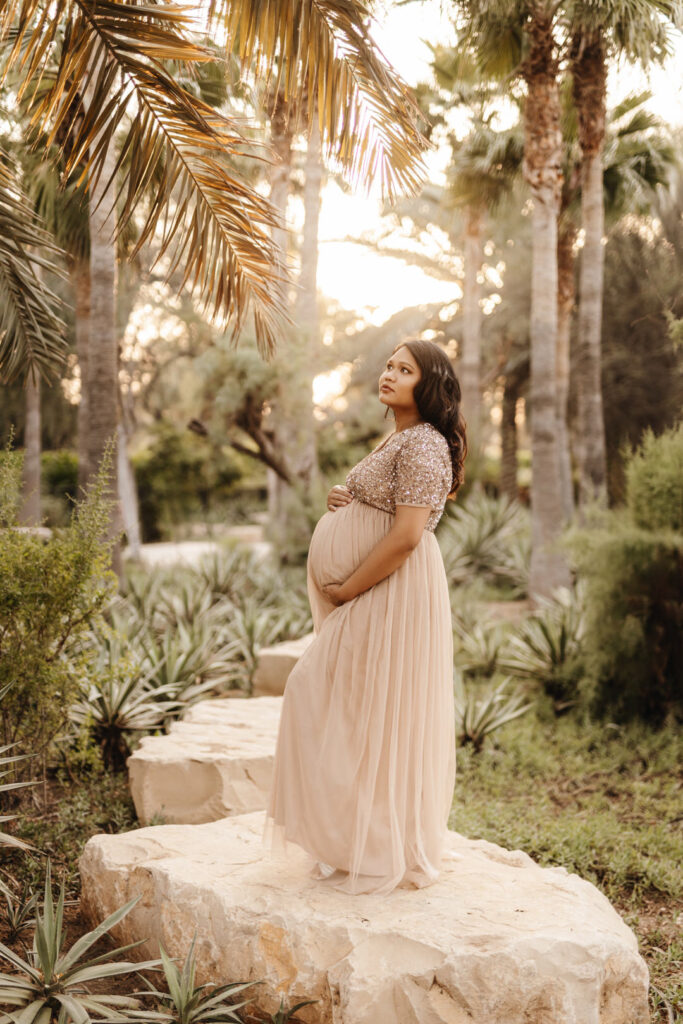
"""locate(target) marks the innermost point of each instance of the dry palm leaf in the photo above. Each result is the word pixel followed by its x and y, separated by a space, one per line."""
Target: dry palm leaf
pixel 322 49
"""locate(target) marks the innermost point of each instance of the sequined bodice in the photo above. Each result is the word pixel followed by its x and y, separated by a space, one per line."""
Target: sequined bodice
pixel 412 467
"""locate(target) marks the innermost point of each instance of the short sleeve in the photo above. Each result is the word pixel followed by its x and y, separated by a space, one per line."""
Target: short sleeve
pixel 423 472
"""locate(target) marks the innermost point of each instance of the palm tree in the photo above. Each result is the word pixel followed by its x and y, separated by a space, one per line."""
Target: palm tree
pixel 637 30
pixel 637 158
pixel 210 222
pixel 483 170
pixel 483 173
pixel 518 39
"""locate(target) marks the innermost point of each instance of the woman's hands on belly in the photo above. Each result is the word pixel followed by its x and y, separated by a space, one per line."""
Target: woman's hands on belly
pixel 338 496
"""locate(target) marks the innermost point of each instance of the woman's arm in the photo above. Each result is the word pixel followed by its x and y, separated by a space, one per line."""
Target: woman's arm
pixel 386 556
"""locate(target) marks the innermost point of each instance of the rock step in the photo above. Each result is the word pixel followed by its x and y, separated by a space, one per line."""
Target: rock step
pixel 275 663
pixel 217 761
pixel 496 940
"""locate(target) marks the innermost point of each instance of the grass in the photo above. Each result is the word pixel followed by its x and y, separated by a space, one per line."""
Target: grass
pixel 608 805
pixel 58 819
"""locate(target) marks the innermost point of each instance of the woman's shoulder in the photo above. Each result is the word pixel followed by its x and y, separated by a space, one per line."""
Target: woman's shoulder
pixel 424 435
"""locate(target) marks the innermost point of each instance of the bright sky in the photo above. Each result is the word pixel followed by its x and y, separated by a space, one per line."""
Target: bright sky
pixel 378 286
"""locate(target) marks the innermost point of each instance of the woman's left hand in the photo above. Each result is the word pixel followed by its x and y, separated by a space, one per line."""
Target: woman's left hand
pixel 335 593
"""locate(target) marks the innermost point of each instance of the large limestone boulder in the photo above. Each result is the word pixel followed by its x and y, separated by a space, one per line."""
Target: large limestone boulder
pixel 275 663
pixel 217 761
pixel 496 940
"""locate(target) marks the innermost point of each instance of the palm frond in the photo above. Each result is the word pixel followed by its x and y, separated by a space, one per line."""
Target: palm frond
pixel 111 80
pixel 32 336
pixel 322 50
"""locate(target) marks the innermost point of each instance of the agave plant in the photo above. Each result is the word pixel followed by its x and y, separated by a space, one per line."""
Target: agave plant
pixel 7 759
pixel 283 1015
pixel 546 646
pixel 479 716
pixel 230 572
pixel 120 698
pixel 52 983
pixel 19 913
pixel 478 647
pixel 190 661
pixel 184 605
pixel 487 538
pixel 251 628
pixel 189 1003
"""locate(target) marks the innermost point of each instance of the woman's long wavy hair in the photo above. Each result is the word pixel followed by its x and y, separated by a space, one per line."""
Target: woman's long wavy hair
pixel 438 396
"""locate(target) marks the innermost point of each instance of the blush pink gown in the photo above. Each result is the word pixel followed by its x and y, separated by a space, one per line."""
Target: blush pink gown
pixel 365 760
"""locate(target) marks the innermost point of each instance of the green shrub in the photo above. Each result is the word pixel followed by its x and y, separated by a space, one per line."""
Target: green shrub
pixel 654 481
pixel 60 474
pixel 632 562
pixel 180 476
pixel 49 593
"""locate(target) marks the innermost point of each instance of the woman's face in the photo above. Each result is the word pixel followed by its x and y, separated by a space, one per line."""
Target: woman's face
pixel 398 379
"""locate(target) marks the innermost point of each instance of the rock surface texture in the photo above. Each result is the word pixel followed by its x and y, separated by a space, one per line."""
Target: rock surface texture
pixel 275 663
pixel 496 940
pixel 217 761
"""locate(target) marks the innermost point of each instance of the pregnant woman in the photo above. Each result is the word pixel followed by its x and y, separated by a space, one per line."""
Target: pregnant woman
pixel 365 759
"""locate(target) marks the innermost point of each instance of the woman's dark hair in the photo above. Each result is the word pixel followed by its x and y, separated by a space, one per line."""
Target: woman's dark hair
pixel 437 397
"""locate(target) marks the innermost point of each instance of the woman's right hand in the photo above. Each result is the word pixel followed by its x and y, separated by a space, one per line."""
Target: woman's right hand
pixel 338 497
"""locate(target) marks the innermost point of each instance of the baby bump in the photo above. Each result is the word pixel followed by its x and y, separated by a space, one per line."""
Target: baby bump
pixel 343 539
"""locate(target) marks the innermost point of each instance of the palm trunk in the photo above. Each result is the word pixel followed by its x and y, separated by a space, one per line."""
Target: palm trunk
pixel 128 495
pixel 508 437
pixel 281 143
pixel 30 514
pixel 306 317
pixel 589 86
pixel 565 308
pixel 102 378
pixel 80 283
pixel 470 364
pixel 542 168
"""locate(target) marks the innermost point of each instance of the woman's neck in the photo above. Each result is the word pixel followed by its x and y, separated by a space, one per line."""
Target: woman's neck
pixel 406 419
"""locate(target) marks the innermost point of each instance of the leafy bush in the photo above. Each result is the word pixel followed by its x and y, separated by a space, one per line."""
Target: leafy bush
pixel 179 475
pixel 50 591
pixel 60 474
pixel 654 481
pixel 632 563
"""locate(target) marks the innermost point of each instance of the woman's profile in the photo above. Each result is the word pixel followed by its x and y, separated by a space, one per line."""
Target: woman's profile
pixel 365 760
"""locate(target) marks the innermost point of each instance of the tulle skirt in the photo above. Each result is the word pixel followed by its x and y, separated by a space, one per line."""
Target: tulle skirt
pixel 365 759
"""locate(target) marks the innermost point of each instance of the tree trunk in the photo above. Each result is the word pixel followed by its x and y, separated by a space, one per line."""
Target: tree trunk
pixel 281 143
pixel 128 495
pixel 565 308
pixel 30 514
pixel 589 87
pixel 508 437
pixel 470 363
pixel 80 284
pixel 542 168
pixel 102 386
pixel 306 313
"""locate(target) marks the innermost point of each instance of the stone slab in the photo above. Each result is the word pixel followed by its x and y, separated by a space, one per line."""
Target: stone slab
pixel 217 761
pixel 275 663
pixel 496 940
